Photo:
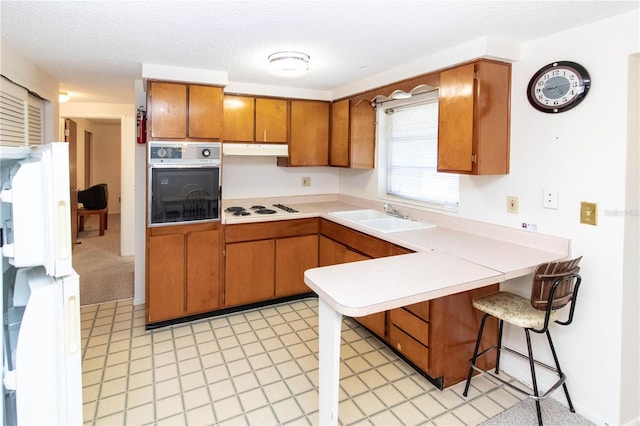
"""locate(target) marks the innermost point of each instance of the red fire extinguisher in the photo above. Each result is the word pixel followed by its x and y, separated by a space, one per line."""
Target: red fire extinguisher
pixel 141 125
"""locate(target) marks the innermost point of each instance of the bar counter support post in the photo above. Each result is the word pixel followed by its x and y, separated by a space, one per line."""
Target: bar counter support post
pixel 330 327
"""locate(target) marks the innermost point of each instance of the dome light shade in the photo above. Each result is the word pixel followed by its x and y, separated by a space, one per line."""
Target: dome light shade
pixel 289 63
pixel 63 96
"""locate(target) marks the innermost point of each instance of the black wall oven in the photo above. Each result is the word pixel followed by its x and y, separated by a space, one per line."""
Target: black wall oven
pixel 184 182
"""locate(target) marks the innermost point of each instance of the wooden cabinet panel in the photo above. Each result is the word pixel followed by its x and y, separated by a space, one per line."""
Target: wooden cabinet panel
pixel 237 118
pixel 183 270
pixel 410 324
pixel 265 230
pixel 203 271
pixel 165 278
pixel 453 328
pixel 168 110
pixel 182 111
pixel 205 112
pixel 421 310
pixel 474 110
pixel 363 243
pixel 339 152
pixel 294 255
pixel 249 272
pixel 271 120
pixel 352 134
pixel 308 134
pixel 410 348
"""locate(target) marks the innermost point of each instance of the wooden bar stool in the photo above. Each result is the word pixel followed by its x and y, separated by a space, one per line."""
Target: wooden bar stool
pixel 555 284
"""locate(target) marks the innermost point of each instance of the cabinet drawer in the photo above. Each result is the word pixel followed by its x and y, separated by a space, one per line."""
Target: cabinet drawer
pixel 267 230
pixel 419 309
pixel 371 246
pixel 411 324
pixel 409 347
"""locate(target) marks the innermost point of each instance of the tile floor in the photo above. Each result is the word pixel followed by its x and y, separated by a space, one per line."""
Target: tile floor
pixel 257 367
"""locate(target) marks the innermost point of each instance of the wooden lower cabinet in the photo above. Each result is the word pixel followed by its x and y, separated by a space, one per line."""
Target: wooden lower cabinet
pixel 249 272
pixel 437 336
pixel 267 260
pixel 183 271
pixel 294 255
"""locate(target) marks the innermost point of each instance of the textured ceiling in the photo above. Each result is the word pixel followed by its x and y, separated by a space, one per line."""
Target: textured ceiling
pixel 96 48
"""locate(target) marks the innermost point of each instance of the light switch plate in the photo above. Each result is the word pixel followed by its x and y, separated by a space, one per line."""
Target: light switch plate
pixel 589 213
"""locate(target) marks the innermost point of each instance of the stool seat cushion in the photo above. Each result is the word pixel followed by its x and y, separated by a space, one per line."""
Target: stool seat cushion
pixel 512 308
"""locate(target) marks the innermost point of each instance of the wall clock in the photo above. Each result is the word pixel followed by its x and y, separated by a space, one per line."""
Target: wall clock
pixel 558 87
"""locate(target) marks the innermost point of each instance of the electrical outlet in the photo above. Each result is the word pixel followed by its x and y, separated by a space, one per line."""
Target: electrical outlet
pixel 589 213
pixel 306 181
pixel 512 204
pixel 550 200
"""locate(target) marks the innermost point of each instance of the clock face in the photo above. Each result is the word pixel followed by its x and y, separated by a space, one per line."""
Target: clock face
pixel 558 87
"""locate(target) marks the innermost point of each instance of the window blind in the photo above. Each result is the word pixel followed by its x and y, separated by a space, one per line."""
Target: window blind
pixel 411 136
pixel 21 116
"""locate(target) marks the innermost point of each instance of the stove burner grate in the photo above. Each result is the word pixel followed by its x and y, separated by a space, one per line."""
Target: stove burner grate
pixel 234 209
pixel 265 211
pixel 241 213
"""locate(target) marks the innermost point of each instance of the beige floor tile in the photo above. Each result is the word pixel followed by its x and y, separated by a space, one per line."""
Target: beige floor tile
pixel 140 396
pixel 196 398
pixel 221 390
pixel 110 405
pixel 192 380
pixel 287 410
pixel 227 408
pixel 253 399
pixel 167 388
pixel 141 415
pixel 201 416
pixel 169 407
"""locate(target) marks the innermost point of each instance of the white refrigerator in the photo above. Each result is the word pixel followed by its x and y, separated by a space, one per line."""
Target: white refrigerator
pixel 41 362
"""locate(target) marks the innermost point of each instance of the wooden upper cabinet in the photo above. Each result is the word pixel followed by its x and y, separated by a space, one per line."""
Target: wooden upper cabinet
pixel 352 134
pixel 184 111
pixel 168 110
pixel 271 120
pixel 237 122
pixel 250 119
pixel 474 111
pixel 308 134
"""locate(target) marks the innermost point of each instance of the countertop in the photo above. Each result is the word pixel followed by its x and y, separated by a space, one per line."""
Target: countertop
pixel 448 259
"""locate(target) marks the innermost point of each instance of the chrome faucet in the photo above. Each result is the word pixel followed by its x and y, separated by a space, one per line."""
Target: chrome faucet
pixel 392 211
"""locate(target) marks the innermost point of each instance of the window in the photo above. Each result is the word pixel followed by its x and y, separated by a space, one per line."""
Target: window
pixel 408 155
pixel 21 116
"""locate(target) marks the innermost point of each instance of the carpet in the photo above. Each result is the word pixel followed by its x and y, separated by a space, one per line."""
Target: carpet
pixel 105 276
pixel 524 413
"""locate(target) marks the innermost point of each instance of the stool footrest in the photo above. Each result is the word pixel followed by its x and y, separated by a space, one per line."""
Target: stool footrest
pixel 529 394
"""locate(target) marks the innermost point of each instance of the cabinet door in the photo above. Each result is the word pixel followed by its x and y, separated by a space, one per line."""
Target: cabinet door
pixel 455 119
pixel 205 112
pixel 237 123
pixel 339 152
pixel 165 282
pixel 294 256
pixel 249 272
pixel 168 110
pixel 332 253
pixel 309 133
pixel 203 271
pixel 271 121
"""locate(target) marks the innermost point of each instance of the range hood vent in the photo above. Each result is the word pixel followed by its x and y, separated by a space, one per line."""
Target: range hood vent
pixel 256 149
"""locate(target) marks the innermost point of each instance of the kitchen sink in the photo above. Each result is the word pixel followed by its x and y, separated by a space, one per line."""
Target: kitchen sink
pixel 358 215
pixel 380 221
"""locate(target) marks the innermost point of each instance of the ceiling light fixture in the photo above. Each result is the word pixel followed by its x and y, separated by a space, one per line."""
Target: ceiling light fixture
pixel 63 96
pixel 289 63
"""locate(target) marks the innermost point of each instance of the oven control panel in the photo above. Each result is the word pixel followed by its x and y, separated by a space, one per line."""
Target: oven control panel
pixel 184 153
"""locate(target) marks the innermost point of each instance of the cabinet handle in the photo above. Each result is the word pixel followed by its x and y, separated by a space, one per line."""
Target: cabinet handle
pixel 264 135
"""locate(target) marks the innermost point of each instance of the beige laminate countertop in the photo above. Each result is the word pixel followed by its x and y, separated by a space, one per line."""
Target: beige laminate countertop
pixel 448 259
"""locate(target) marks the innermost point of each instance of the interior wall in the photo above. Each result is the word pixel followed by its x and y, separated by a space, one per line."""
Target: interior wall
pixel 105 161
pixel 126 114
pixel 253 177
pixel 581 153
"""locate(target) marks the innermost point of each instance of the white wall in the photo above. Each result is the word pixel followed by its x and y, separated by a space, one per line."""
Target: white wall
pixel 105 162
pixel 582 153
pixel 126 114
